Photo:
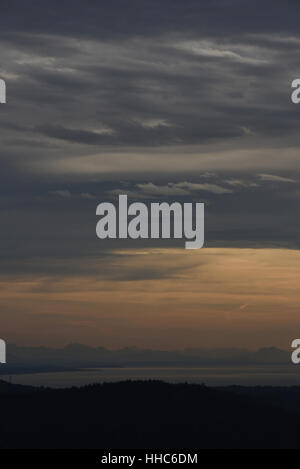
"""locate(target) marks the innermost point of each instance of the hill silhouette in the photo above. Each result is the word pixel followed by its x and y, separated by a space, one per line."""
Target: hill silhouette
pixel 143 415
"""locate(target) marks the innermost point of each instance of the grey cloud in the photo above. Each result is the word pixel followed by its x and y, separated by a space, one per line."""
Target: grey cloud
pixel 66 194
pixel 275 178
pixel 62 193
pixel 87 195
pixel 241 183
pixel 120 86
pixel 181 189
pixel 75 135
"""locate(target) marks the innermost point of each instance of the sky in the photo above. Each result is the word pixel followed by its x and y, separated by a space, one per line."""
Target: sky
pixel 164 101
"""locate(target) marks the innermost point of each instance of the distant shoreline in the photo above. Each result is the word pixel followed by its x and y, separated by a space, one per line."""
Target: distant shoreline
pixel 7 370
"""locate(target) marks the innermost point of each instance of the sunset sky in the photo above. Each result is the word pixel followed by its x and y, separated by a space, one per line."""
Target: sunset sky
pixel 162 298
pixel 162 101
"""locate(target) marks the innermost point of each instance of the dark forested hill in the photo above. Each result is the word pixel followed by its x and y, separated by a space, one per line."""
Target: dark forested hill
pixel 143 415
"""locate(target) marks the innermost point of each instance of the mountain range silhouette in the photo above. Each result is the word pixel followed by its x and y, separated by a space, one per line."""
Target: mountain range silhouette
pixel 74 356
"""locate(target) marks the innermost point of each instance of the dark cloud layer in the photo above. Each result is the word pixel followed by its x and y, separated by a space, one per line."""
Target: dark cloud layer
pixel 171 99
pixel 117 18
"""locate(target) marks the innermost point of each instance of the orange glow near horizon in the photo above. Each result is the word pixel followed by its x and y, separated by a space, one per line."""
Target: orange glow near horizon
pixel 161 298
